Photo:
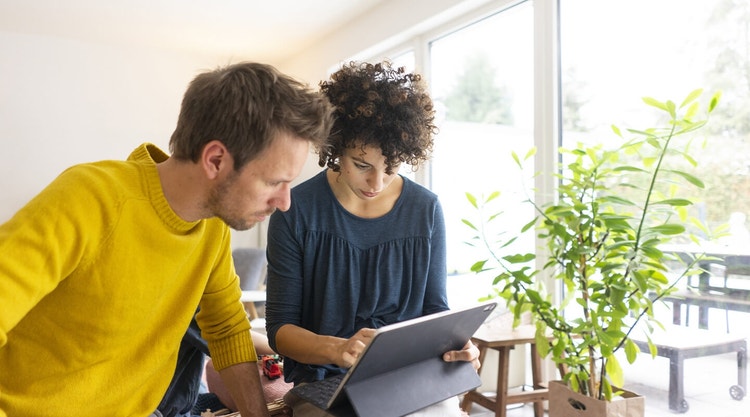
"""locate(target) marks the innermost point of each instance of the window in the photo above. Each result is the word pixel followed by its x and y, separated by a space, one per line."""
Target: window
pixel 608 65
pixel 494 77
pixel 613 53
pixel 482 82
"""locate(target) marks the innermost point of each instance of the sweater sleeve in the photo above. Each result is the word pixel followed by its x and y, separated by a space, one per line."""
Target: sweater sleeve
pixel 222 317
pixel 43 242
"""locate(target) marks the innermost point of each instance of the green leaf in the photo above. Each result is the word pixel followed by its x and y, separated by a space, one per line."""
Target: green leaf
pixel 478 266
pixel 671 109
pixel 617 200
pixel 472 199
pixel 692 111
pixel 714 102
pixel 631 351
pixel 668 229
pixel 606 390
pixel 691 97
pixel 528 225
pixel 628 168
pixel 655 103
pixel 615 371
pixel 468 223
pixel 690 178
pixel 492 217
pixel 542 344
pixel 659 277
pixel 494 195
pixel 674 202
pixel 520 258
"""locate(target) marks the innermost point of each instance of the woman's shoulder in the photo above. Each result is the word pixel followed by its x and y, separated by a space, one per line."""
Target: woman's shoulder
pixel 312 186
pixel 309 197
pixel 413 190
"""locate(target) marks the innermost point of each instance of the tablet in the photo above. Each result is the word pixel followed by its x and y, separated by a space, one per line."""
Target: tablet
pixel 402 370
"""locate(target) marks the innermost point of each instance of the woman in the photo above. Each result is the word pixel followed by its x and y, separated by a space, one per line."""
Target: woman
pixel 361 245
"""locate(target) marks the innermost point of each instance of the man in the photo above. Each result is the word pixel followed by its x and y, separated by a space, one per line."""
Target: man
pixel 102 272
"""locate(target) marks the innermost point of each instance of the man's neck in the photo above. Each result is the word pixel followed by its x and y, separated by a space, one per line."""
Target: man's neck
pixel 183 187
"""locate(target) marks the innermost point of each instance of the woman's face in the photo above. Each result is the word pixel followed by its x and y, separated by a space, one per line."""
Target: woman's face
pixel 363 171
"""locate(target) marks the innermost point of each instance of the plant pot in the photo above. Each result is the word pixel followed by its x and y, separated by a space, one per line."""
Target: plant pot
pixel 564 402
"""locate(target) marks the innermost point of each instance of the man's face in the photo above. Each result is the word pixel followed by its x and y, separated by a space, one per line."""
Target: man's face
pixel 248 196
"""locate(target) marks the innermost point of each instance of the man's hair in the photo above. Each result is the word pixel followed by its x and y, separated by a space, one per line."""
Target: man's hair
pixel 379 106
pixel 244 106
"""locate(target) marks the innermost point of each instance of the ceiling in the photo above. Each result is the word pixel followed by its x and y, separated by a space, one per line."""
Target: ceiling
pixel 266 30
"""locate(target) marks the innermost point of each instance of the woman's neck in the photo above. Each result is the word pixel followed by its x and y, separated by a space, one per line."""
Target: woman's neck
pixel 369 208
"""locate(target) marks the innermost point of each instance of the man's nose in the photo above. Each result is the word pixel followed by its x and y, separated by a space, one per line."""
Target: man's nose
pixel 283 199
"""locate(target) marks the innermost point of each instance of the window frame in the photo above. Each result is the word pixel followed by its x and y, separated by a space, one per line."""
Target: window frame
pixel 547 109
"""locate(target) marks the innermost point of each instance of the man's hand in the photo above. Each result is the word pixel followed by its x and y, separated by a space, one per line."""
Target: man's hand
pixel 469 353
pixel 243 382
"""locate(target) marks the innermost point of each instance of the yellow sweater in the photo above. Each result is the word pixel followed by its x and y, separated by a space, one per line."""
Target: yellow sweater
pixel 99 279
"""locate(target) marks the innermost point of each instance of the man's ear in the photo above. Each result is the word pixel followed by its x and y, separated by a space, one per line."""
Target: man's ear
pixel 215 158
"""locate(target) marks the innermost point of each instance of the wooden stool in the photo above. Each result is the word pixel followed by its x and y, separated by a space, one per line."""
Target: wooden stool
pixel 503 340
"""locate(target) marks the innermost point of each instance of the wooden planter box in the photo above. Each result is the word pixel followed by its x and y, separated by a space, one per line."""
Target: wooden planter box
pixel 564 402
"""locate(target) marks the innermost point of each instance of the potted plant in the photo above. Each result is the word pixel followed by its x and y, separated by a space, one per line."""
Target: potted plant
pixel 601 239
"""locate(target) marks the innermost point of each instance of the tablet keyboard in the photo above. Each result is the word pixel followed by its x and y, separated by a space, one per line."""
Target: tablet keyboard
pixel 320 392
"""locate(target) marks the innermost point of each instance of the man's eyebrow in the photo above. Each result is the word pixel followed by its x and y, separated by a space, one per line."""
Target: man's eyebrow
pixel 279 180
pixel 273 179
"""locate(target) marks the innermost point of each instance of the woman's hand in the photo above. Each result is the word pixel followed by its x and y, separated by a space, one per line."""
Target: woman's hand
pixel 351 348
pixel 469 353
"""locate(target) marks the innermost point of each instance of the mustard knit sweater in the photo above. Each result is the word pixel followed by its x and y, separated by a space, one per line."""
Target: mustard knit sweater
pixel 99 279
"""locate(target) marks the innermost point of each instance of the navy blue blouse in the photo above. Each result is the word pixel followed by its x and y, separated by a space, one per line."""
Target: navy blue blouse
pixel 334 273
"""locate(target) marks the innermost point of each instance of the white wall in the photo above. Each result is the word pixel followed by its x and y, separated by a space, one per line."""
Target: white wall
pixel 389 24
pixel 65 101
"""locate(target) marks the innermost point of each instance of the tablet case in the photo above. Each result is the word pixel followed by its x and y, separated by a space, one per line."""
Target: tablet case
pixel 402 370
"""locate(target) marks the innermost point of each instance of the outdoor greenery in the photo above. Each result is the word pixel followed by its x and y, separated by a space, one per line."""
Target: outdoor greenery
pixel 728 69
pixel 476 97
pixel 601 245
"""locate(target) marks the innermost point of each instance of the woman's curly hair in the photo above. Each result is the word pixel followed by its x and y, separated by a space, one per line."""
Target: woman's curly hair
pixel 380 106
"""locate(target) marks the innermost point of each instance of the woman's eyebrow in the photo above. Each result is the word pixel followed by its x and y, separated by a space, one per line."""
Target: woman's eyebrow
pixel 360 160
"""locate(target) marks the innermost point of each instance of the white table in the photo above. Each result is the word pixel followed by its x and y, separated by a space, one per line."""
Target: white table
pixel 679 343
pixel 249 298
pixel 704 295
